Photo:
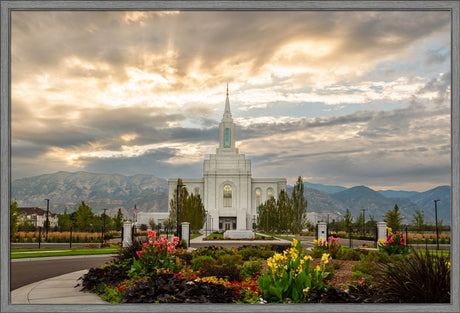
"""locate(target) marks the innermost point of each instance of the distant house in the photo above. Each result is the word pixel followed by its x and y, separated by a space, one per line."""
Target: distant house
pixel 158 218
pixel 37 216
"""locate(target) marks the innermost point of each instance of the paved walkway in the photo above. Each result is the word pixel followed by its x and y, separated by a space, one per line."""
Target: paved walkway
pixel 56 290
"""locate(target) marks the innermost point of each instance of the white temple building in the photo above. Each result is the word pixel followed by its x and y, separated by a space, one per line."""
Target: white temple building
pixel 231 196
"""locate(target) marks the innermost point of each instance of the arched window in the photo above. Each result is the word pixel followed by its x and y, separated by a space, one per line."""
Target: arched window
pixel 227 196
pixel 269 193
pixel 258 198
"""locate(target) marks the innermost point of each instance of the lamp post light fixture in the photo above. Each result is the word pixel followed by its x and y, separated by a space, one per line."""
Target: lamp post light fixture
pixel 47 217
pixel 436 221
pixel 177 210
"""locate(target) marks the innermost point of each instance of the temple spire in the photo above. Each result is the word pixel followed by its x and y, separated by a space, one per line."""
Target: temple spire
pixel 227 113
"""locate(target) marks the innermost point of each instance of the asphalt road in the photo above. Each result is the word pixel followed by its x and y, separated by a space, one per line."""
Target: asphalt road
pixel 24 272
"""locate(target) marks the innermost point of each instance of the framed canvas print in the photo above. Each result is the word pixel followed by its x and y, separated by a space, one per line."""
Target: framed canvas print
pixel 229 156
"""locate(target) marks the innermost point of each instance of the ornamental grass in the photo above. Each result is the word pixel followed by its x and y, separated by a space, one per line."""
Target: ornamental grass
pixel 416 278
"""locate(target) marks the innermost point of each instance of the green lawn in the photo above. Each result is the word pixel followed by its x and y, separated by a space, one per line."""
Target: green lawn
pixel 45 252
pixel 192 236
pixel 435 252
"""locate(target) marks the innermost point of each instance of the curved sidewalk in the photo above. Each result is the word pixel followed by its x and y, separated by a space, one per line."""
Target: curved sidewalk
pixel 57 290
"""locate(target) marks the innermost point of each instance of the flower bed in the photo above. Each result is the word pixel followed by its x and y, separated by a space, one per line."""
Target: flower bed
pixel 157 271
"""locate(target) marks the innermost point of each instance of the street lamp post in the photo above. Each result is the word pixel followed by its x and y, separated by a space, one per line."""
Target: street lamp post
pixel 103 229
pixel 436 221
pixel 364 220
pixel 177 210
pixel 47 217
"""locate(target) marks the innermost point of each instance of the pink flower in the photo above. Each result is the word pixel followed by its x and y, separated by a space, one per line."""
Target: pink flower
pixel 176 240
pixel 151 233
pixel 145 245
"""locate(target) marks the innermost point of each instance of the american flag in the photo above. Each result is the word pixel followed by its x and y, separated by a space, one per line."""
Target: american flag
pixel 135 210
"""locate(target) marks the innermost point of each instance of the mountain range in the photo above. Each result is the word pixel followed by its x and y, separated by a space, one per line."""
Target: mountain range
pixel 150 194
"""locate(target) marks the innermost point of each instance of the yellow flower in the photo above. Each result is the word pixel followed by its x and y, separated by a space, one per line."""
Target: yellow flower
pixel 325 257
pixel 315 242
pixel 389 229
pixel 294 242
pixel 305 291
pixel 381 241
pixel 318 269
pixel 307 257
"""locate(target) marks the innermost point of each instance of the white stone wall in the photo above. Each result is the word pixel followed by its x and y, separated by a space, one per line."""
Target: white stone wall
pixel 144 217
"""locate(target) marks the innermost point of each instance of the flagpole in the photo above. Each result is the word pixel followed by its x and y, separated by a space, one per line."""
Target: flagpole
pixel 135 214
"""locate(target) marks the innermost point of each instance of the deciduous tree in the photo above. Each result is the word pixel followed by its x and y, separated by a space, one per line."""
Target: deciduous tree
pixel 419 219
pixel 14 218
pixel 84 216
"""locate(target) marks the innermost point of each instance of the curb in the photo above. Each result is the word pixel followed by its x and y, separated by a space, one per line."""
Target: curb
pixel 63 257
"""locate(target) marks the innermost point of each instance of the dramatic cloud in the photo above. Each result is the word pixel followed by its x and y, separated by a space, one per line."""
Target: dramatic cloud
pixel 345 97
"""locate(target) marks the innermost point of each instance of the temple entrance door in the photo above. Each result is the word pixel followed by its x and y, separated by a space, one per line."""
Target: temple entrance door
pixel 227 225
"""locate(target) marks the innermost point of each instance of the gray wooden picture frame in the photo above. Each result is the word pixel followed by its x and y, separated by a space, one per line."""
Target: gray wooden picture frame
pixel 5 171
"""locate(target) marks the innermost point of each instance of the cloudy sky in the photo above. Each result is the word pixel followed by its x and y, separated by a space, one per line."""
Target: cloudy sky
pixel 341 98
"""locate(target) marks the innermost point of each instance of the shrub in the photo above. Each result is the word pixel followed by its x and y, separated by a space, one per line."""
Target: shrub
pixel 263 252
pixel 110 274
pixel 212 251
pixel 418 278
pixel 129 253
pixel 230 259
pixel 202 261
pixel 251 268
pixel 229 272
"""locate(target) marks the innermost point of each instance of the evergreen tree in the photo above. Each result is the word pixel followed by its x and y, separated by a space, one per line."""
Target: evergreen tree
pixel 14 218
pixel 299 207
pixel 83 216
pixel 191 209
pixel 284 212
pixel 393 218
pixel 359 224
pixel 348 221
pixel 118 220
pixel 195 212
pixel 267 219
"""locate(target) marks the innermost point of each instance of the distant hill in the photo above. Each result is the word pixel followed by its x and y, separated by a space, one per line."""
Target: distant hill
pixel 150 194
pixel 425 200
pixel 398 193
pixel 100 191
pixel 377 203
pixel 324 188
